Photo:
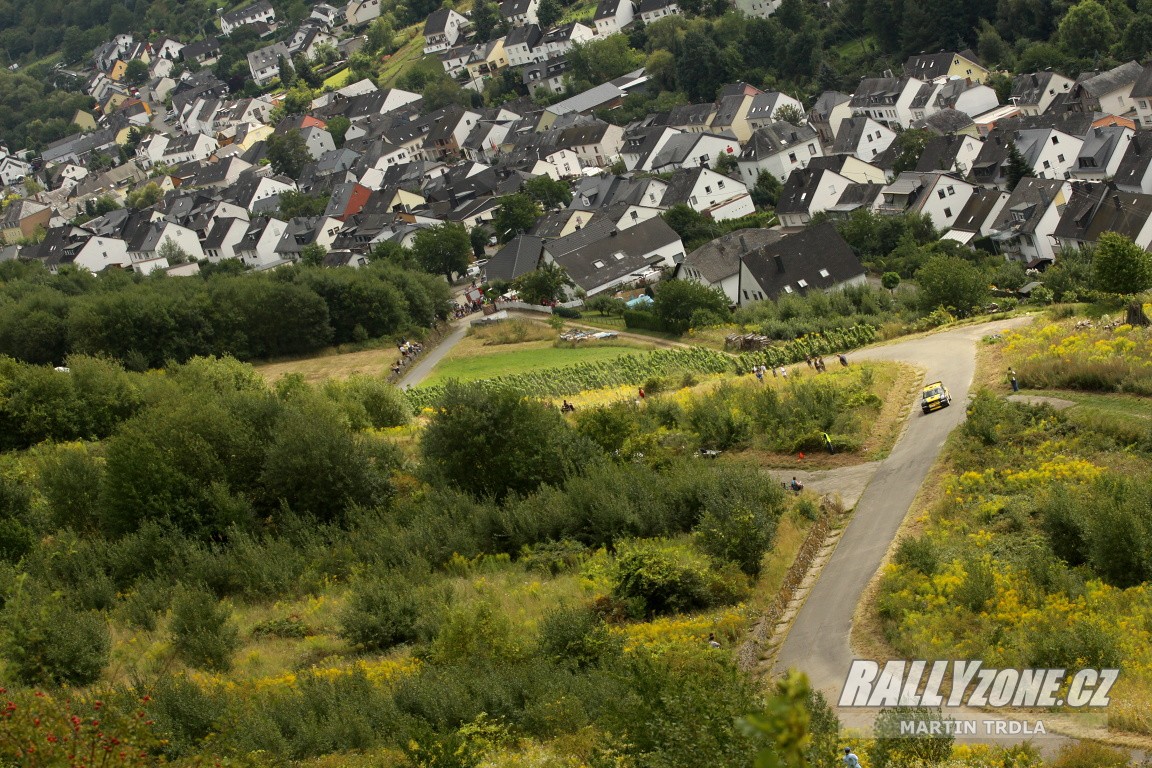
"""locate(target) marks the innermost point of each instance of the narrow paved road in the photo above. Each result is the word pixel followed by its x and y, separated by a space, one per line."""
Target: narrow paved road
pixel 417 373
pixel 818 641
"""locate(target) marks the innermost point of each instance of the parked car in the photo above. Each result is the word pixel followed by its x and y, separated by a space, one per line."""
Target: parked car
pixel 934 397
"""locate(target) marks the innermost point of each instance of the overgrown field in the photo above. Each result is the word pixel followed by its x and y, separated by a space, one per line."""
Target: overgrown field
pixel 1038 555
pixel 219 567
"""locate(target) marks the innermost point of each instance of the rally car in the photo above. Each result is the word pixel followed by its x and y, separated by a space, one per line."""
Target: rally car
pixel 934 397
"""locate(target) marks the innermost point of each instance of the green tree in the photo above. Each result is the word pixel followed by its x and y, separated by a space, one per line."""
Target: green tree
pixel 287 73
pixel 766 191
pixel 136 73
pixel 1120 266
pixel 890 280
pixel 338 126
pixel 790 113
pixel 46 641
pixel 479 238
pixel 544 284
pixel 381 35
pixel 909 147
pixel 699 68
pixel 548 192
pixel 203 633
pixel 549 13
pixel 1087 29
pixel 145 197
pixel 294 203
pixel 443 249
pixel 486 20
pixel 681 302
pixel 949 281
pixel 313 255
pixel 288 153
pixel 725 163
pixel 173 253
pixel 598 61
pixel 306 72
pixel 515 214
pixel 494 442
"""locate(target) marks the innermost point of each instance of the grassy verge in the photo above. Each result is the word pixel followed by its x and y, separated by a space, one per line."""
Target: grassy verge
pixel 407 54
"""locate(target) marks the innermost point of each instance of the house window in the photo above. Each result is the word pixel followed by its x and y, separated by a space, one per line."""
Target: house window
pixel 940 193
pixel 1047 164
pixel 719 185
pixel 947 213
pixel 635 215
pixel 598 264
pixel 707 190
pixel 811 149
pixel 1055 140
pixel 692 199
pixel 745 294
pixel 802 283
pixel 791 157
pixel 787 289
pixel 1060 158
pixel 824 273
pixel 951 190
pixel 1143 104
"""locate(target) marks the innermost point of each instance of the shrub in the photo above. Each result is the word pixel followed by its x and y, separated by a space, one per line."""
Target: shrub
pixel 571 313
pixel 140 607
pixel 284 626
pixel 382 612
pixel 184 713
pixel 203 634
pixel 1088 754
pixel 46 641
pixel 919 554
pixel 892 749
pixel 739 524
pixel 665 578
pixel 577 636
pixel 476 633
pixel 553 557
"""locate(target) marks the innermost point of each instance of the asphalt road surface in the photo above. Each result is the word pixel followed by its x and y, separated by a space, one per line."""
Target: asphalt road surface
pixel 818 641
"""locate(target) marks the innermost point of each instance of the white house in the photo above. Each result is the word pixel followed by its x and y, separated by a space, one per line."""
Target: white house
pixel 863 137
pixel 224 237
pixel 706 191
pixel 442 30
pixel 778 149
pixel 360 12
pixel 560 40
pixel 1024 230
pixel 264 64
pixel 808 192
pixel 258 247
pixel 519 13
pixel 761 8
pixel 1034 93
pixel 887 100
pixel 612 16
pixel 1102 152
pixel 257 12
pixel 1051 153
pixel 939 196
pixel 13 169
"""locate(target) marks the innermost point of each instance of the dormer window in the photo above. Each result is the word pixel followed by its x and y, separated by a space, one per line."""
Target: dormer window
pixel 824 273
pixel 802 283
pixel 598 264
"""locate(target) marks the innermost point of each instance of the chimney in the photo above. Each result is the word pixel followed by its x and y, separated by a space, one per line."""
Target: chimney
pixel 743 245
pixel 779 263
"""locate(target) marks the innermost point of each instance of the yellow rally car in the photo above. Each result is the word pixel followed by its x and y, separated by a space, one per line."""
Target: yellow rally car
pixel 934 397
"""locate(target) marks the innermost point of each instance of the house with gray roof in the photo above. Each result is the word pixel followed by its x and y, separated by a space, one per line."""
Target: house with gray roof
pixel 706 191
pixel 603 258
pixel 1023 230
pixel 443 29
pixel 264 63
pixel 1135 171
pixel 261 11
pixel 1034 93
pixel 1108 92
pixel 612 16
pixel 1098 207
pixel 1102 152
pixel 716 264
pixel 977 216
pixel 517 257
pixel 815 259
pixel 519 13
pixel 830 108
pixel 654 10
pixel 778 149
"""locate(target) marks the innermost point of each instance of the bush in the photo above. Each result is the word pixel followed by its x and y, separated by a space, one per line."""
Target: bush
pixel 476 633
pixel 141 607
pixel 48 642
pixel 577 636
pixel 663 578
pixel 739 523
pixel 571 313
pixel 285 626
pixel 202 631
pixel 382 612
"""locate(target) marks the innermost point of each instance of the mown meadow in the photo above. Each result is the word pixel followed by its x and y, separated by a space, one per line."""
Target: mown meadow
pixel 1036 553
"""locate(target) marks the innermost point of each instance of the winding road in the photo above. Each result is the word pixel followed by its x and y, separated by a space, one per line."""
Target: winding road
pixel 818 642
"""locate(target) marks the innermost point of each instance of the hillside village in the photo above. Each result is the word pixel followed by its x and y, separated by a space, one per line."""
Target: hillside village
pixel 178 171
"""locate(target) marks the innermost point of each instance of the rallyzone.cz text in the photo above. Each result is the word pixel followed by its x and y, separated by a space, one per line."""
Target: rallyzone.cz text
pixel 918 683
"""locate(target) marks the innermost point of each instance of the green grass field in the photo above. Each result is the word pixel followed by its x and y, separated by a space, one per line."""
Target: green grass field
pixel 1126 406
pixel 470 363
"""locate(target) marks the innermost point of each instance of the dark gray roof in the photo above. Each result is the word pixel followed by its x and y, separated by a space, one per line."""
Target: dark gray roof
pixel 1099 145
pixel 817 258
pixel 437 22
pixel 256 9
pixel 606 9
pixel 611 257
pixel 928 66
pixel 509 8
pixel 519 256
pixel 529 35
pixel 1029 89
pixel 1027 204
pixel 977 210
pixel 773 139
pixel 945 121
pixel 1099 207
pixel 1114 79
pixel 1142 88
pixel 1134 165
pixel 828 101
pixel 940 153
pixel 720 258
pixel 799 189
